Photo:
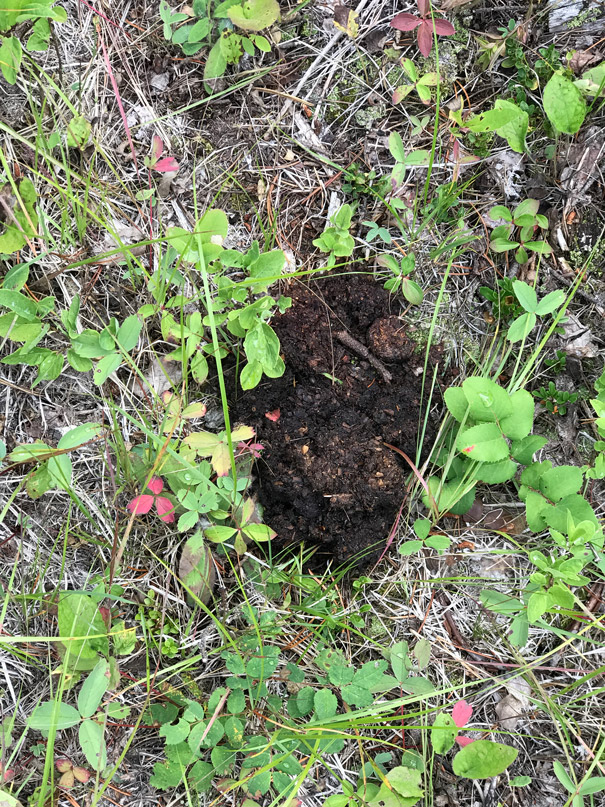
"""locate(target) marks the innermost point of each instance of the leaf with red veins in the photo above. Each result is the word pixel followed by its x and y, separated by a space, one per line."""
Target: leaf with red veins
pixel 423 7
pixel 405 22
pixel 82 775
pixel 166 165
pixel 443 27
pixel 165 509
pixel 425 37
pixel 464 741
pixel 461 713
pixel 157 148
pixel 63 765
pixel 141 504
pixel 155 485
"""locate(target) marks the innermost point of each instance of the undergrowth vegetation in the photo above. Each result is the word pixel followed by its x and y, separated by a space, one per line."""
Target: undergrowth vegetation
pixel 171 177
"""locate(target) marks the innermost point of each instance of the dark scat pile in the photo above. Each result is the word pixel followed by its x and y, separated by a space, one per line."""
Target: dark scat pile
pixel 326 477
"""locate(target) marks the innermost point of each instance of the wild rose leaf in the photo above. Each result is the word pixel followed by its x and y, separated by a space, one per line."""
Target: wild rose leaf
pixel 461 713
pixel 273 416
pixel 165 165
pixel 141 504
pixel 82 775
pixel 443 27
pixel 165 509
pixel 405 22
pixel 425 37
pixel 157 148
pixel 155 485
pixel 464 741
pixel 63 765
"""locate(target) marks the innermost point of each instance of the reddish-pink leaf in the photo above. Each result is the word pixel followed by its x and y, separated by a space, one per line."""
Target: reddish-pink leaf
pixel 67 779
pixel 155 485
pixel 63 764
pixel 165 509
pixel 82 775
pixel 141 504
pixel 425 37
pixel 273 416
pixel 461 713
pixel 165 165
pixel 443 27
pixel 423 7
pixel 157 148
pixel 405 22
pixel 8 774
pixel 464 741
pixel 105 614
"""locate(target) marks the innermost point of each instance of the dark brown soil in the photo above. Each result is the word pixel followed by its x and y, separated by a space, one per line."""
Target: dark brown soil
pixel 326 476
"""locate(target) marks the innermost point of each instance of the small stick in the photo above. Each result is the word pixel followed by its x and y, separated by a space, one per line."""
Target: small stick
pixel 361 350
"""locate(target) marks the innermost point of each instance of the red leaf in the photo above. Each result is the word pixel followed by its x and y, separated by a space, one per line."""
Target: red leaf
pixel 405 22
pixel 464 741
pixel 105 614
pixel 461 713
pixel 141 504
pixel 155 485
pixel 423 7
pixel 8 774
pixel 165 509
pixel 425 37
pixel 157 147
pixel 273 416
pixel 63 765
pixel 165 165
pixel 82 775
pixel 443 27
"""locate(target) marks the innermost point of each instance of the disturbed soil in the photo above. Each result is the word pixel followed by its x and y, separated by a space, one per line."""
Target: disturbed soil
pixel 327 477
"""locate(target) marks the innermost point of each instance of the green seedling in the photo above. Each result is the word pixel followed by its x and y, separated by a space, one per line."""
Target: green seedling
pixel 403 161
pixel 336 240
pixel 556 401
pixel 523 222
pixel 422 84
pixel 400 280
pixel 11 14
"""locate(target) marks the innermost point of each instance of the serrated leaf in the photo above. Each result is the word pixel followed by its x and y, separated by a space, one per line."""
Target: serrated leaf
pixel 325 704
pixel 483 443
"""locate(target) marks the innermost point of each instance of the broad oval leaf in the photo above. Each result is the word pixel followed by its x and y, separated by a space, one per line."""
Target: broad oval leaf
pixel 92 743
pixel 483 759
pixel 54 715
pixel 564 104
pixel 483 443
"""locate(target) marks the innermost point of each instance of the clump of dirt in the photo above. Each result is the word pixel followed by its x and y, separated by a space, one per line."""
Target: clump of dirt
pixel 351 385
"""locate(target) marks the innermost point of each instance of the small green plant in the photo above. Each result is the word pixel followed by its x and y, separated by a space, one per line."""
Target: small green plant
pixel 564 103
pixel 403 161
pixel 376 231
pixel 422 84
pixel 108 346
pixel 336 240
pixel 523 222
pixel 588 787
pixel 555 400
pixel 504 302
pixel 364 183
pixel 400 280
pixel 558 364
pixel 12 12
pixel 422 528
pixel 477 759
pixel 213 25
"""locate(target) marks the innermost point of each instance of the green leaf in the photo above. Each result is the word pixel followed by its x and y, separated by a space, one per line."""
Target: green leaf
pixel 60 470
pixel 411 291
pixel 175 733
pixel 92 743
pixel 457 403
pixel 11 54
pixel 595 784
pixel 400 660
pixel 422 528
pixel 488 402
pixel 443 733
pixel 196 567
pixel 254 15
pixel 564 104
pixel 212 737
pixel 51 715
pixel 78 617
pixel 562 481
pixel 563 777
pixel 18 303
pixel 200 776
pixel 551 302
pixel 93 689
pixel 520 422
pixel 526 295
pixel 79 435
pixel 105 367
pixel 325 704
pixel 493 119
pixel 396 147
pixel 502 244
pixel 128 333
pixel 537 606
pixel 523 450
pixel 543 248
pixel 500 212
pixel 495 473
pixel 483 759
pixel 223 759
pixel 215 66
pixel 234 729
pixel 219 534
pixel 422 652
pixel 305 701
pixel 521 327
pixel 78 132
pixel 483 443
pixel 515 131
